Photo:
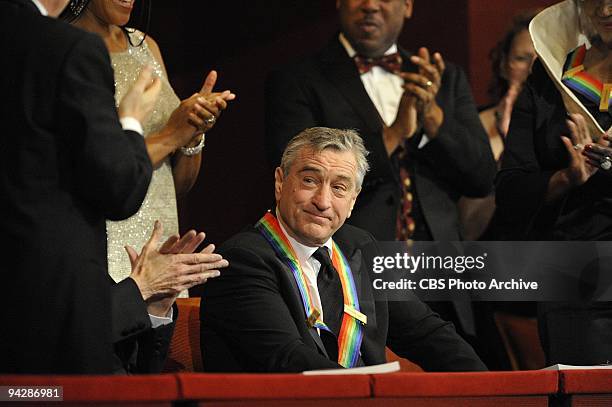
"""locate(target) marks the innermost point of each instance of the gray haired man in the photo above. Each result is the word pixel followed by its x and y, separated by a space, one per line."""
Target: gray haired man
pixel 297 282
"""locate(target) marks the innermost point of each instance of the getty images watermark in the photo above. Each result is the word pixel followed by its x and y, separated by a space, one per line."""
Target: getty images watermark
pixel 491 271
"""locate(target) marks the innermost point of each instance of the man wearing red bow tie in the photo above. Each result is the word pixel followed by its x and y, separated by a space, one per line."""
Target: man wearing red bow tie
pixel 415 113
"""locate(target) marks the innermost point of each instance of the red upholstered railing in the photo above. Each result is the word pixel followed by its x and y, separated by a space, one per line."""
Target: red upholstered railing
pixel 465 384
pixel 115 389
pixel 491 388
pixel 273 386
pixel 586 381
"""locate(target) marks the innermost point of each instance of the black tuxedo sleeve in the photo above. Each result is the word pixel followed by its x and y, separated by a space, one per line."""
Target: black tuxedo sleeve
pixel 419 335
pixel 111 167
pixel 138 347
pixel 245 307
pixel 460 152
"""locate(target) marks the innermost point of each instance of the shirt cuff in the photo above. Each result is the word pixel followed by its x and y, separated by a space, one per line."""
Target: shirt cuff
pixel 156 321
pixel 130 123
pixel 424 141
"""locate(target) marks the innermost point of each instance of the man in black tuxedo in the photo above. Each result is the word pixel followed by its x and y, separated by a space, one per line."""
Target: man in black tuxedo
pixel 254 316
pixel 416 116
pixel 66 165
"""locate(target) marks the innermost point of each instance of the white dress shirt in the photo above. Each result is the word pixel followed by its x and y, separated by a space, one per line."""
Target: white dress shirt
pixel 159 321
pixel 384 88
pixel 310 266
pixel 40 7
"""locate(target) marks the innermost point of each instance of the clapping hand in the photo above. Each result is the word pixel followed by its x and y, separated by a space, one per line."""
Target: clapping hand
pixel 163 273
pixel 581 166
pixel 198 113
pixel 139 101
pixel 424 86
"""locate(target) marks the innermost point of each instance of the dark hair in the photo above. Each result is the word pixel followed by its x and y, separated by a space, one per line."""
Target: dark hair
pixel 75 8
pixel 499 54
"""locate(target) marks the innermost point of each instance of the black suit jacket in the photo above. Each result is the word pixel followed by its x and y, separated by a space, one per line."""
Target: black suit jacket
pixel 252 317
pixel 65 166
pixel 138 347
pixel 326 90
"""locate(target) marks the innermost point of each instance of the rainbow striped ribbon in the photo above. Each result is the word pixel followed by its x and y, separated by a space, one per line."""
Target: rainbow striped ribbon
pixel 351 331
pixel 577 79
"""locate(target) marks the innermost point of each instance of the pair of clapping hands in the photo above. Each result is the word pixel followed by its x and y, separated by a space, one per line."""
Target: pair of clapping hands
pixel 418 106
pixel 194 116
pixel 162 273
pixel 586 155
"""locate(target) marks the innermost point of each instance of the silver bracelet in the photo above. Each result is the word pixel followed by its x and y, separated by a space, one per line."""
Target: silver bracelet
pixel 191 151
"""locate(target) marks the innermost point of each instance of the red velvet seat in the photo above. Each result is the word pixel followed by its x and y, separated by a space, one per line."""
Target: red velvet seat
pixel 184 354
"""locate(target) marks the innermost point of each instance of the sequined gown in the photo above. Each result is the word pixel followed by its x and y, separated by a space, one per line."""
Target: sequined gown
pixel 160 201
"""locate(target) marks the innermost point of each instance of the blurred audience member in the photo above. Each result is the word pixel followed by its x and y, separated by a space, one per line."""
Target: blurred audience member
pixel 511 60
pixel 174 134
pixel 555 180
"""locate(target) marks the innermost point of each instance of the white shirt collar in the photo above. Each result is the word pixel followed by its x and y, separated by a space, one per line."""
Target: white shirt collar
pixel 303 252
pixel 40 7
pixel 351 51
pixel 555 33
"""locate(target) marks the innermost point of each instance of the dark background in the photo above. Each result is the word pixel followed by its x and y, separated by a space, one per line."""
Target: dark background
pixel 243 40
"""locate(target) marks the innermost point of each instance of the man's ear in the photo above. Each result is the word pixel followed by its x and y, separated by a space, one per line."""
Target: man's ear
pixel 278 183
pixel 409 7
pixel 353 203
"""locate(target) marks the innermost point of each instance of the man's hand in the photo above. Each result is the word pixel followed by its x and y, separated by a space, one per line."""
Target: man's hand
pixel 140 99
pixel 424 86
pixel 162 274
pixel 404 126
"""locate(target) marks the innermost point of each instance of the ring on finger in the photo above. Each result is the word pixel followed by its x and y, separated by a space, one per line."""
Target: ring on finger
pixel 429 84
pixel 210 120
pixel 606 163
pixel 578 147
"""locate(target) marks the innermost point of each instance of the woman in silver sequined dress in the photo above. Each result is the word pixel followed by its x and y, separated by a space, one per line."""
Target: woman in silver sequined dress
pixel 174 133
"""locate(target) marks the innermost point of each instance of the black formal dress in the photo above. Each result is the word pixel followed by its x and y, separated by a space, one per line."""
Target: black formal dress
pixel 571 333
pixel 65 166
pixel 253 319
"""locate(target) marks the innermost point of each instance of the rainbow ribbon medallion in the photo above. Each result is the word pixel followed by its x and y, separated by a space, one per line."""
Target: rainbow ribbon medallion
pixel 577 79
pixel 351 331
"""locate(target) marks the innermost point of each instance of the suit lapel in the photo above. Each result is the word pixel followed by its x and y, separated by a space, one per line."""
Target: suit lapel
pixel 344 76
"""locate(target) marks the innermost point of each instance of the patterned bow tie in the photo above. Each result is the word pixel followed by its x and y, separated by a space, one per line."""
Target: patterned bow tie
pixel 391 63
